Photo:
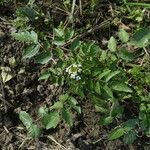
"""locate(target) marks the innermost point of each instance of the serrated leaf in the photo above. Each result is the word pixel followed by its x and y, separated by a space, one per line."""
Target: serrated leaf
pixel 26 119
pixel 57 105
pixel 123 35
pixel 125 55
pixel 122 87
pixel 26 36
pixel 31 51
pixel 141 38
pixel 112 44
pixel 116 133
pixel 111 75
pixel 43 110
pixel 106 121
pixel 67 116
pixel 130 137
pixel 51 120
pixel 43 58
pixel 34 131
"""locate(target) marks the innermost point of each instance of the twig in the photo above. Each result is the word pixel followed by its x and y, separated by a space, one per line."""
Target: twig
pixel 51 138
pixel 5 102
pixel 88 32
pixel 21 146
pixel 73 7
pixel 97 27
pixel 80 6
pixel 102 138
pixel 146 51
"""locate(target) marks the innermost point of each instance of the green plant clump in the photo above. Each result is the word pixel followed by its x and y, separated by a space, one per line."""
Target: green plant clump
pixel 107 77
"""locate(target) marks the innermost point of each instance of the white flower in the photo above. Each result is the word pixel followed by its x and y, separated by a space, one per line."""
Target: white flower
pixel 73 76
pixel 74 65
pixel 73 71
pixel 79 70
pixel 67 69
pixel 79 65
pixel 78 78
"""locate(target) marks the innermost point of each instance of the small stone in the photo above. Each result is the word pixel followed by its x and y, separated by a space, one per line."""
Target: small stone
pixel 40 88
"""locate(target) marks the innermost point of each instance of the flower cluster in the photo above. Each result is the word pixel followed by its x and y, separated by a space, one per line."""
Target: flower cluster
pixel 73 70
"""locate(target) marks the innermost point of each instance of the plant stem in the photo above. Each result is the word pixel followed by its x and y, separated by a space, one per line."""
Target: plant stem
pixel 138 4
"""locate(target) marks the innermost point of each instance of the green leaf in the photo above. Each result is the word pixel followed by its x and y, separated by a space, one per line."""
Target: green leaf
pixel 44 76
pixel 108 91
pixel 27 11
pixel 63 97
pixel 130 124
pixel 103 56
pixel 111 75
pixel 43 110
pixel 112 44
pixel 43 58
pixel 130 137
pixel 122 87
pixel 106 121
pixel 77 109
pixel 69 34
pixel 31 51
pixel 51 120
pixel 104 73
pixel 116 109
pixel 59 32
pixel 125 55
pixel 59 41
pixel 75 44
pixel 57 105
pixel 123 35
pixel 93 4
pixel 67 116
pixel 97 88
pixel 34 131
pixel 141 38
pixel 72 101
pixel 26 119
pixel 101 109
pixel 116 133
pixel 26 36
pixel 59 52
